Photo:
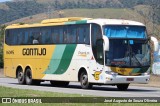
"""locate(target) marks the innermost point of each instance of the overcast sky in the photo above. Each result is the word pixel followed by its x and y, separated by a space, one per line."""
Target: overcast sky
pixel 4 0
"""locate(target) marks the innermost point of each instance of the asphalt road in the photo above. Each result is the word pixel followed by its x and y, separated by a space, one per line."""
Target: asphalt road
pixel 74 88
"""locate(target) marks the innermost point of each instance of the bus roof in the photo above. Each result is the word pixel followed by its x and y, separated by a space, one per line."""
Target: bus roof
pixel 75 20
pixel 115 22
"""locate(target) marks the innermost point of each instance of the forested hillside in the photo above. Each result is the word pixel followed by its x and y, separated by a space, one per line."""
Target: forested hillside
pixel 16 9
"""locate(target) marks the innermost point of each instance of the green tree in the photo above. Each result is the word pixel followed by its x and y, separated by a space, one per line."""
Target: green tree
pixel 2 28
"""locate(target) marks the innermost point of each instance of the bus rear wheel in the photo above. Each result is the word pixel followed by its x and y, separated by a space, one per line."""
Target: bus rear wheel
pixel 84 81
pixel 122 87
pixel 20 76
pixel 28 78
pixel 59 83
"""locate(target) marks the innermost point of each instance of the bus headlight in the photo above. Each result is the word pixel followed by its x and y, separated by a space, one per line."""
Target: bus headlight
pixel 147 73
pixel 111 73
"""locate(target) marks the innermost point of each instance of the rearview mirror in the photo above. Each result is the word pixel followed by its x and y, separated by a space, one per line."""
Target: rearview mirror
pixel 155 42
pixel 106 43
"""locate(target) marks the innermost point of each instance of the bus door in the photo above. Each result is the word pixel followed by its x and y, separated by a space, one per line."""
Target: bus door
pixel 97 64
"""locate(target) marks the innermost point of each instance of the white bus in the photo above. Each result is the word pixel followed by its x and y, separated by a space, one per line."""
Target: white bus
pixel 89 51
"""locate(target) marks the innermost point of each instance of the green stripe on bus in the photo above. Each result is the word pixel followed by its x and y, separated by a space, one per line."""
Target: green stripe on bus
pixel 140 70
pixel 136 70
pixel 70 22
pixel 76 22
pixel 56 59
pixel 81 22
pixel 66 59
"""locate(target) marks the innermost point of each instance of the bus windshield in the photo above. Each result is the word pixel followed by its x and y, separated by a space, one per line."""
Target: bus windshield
pixel 128 46
pixel 128 53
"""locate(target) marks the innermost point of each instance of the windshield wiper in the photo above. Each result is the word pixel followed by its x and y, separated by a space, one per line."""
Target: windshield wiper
pixel 134 55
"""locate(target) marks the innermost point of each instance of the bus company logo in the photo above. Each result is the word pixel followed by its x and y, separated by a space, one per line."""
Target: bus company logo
pixel 96 75
pixel 83 54
pixel 34 51
pixel 10 52
pixel 6 100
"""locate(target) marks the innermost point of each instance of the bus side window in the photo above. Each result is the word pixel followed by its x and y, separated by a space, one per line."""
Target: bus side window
pixel 26 36
pixel 42 39
pixel 65 34
pixel 15 37
pixel 12 37
pixel 45 35
pixel 35 38
pixel 21 34
pixel 86 34
pixel 48 36
pixel 71 34
pixel 55 35
pixel 60 35
pixel 9 37
pixel 30 38
pixel 83 34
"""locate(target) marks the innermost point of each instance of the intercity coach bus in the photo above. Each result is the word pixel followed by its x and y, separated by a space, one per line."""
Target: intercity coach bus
pixel 89 51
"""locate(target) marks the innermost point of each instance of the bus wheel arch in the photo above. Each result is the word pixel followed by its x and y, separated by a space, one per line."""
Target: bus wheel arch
pixel 83 79
pixel 80 71
pixel 20 75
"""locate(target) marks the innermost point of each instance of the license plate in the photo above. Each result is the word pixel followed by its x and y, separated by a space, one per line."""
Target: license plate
pixel 130 79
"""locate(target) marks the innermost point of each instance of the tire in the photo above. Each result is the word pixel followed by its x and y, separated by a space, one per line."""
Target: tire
pixel 59 83
pixel 84 81
pixel 122 87
pixel 21 76
pixel 28 77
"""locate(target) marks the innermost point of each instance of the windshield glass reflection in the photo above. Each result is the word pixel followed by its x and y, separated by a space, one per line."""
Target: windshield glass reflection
pixel 129 53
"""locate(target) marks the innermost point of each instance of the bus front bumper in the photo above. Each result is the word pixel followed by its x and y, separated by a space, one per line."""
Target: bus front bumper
pixel 117 79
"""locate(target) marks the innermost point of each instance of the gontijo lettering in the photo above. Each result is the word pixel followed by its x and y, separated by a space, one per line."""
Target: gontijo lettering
pixel 34 51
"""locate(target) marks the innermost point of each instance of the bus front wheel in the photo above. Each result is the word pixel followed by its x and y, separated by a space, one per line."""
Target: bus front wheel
pixel 122 87
pixel 84 81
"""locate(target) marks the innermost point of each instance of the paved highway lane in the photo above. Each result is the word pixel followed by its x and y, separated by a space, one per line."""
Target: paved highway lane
pixel 74 88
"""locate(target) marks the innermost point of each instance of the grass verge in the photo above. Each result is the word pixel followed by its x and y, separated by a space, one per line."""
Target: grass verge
pixel 12 92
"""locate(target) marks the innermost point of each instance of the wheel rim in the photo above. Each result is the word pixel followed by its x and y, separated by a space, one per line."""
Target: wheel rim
pixel 20 76
pixel 28 76
pixel 84 80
